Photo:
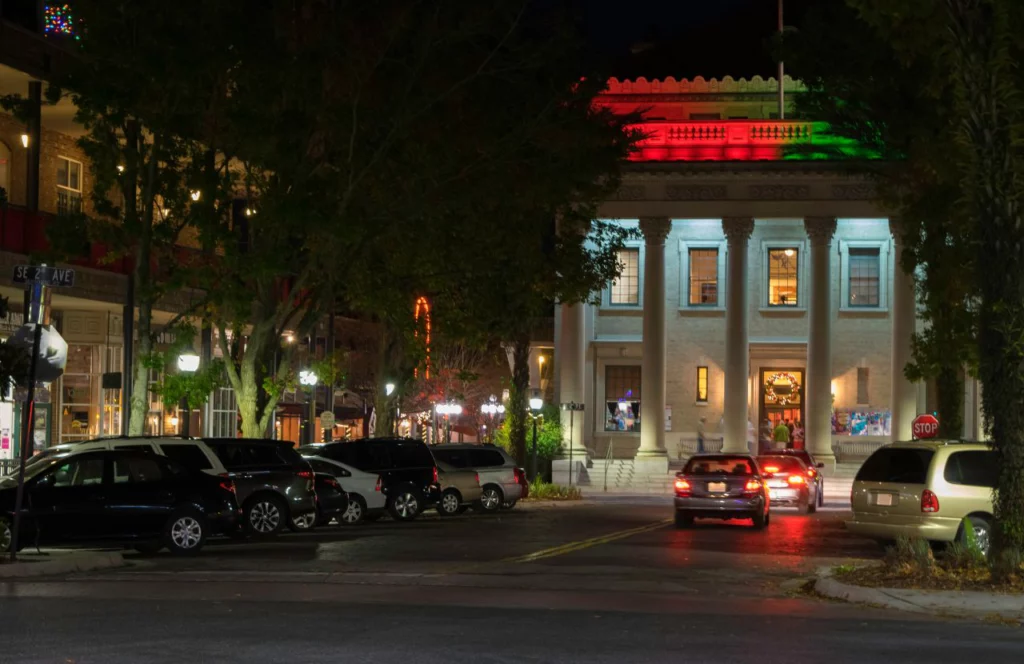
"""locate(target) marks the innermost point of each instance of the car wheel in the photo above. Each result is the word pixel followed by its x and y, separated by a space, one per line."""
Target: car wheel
pixel 185 532
pixel 509 504
pixel 807 506
pixel 982 533
pixel 303 523
pixel 355 513
pixel 760 520
pixel 683 520
pixel 6 534
pixel 405 504
pixel 265 515
pixel 449 503
pixel 490 499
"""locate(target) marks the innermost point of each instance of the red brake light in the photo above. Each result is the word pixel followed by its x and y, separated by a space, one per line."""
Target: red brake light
pixel 811 472
pixel 682 486
pixel 771 469
pixel 227 485
pixel 331 482
pixel 377 487
pixel 520 475
pixel 796 479
pixel 929 501
pixel 752 485
pixel 477 476
pixel 305 474
pixel 435 474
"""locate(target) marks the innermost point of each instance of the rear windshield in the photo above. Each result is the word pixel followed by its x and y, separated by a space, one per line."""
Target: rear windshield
pixel 719 465
pixel 781 464
pixel 896 465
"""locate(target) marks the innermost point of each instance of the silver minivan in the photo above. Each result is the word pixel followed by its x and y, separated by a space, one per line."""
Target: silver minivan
pixel 502 481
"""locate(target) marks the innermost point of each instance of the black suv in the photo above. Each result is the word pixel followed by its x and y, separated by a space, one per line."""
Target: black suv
pixel 406 468
pixel 274 482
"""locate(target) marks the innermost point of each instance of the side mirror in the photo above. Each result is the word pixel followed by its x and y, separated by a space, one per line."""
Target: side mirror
pixel 819 465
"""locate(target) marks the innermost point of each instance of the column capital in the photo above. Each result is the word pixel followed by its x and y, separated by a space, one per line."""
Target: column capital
pixel 655 229
pixel 737 228
pixel 820 229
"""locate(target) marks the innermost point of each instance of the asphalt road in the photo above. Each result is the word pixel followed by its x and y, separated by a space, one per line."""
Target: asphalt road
pixel 608 582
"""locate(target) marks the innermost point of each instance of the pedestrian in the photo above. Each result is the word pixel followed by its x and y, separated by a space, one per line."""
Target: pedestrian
pixel 701 424
pixel 781 434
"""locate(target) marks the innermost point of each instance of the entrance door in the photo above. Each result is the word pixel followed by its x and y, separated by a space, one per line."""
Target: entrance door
pixel 782 401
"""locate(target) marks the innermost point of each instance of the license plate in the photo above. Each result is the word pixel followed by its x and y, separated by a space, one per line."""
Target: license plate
pixel 777 485
pixel 716 487
pixel 883 499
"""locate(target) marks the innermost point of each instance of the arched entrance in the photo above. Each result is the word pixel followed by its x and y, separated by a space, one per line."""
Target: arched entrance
pixel 782 400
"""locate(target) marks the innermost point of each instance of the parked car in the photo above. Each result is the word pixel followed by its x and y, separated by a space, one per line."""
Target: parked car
pixel 789 481
pixel 409 478
pixel 273 482
pixel 331 503
pixel 459 489
pixel 925 489
pixel 813 469
pixel 503 483
pixel 721 486
pixel 366 499
pixel 126 497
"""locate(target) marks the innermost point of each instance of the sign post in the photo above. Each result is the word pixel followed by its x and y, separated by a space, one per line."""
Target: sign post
pixel 574 408
pixel 37 279
pixel 925 426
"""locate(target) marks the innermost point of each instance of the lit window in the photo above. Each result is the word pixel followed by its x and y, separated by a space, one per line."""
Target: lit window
pixel 865 277
pixel 625 288
pixel 782 277
pixel 702 384
pixel 622 398
pixel 703 277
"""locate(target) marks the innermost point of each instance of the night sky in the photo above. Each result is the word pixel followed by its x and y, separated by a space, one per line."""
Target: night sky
pixel 686 38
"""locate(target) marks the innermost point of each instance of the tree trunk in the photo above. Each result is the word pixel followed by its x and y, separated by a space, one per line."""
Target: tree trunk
pixel 949 391
pixel 985 77
pixel 144 286
pixel 518 398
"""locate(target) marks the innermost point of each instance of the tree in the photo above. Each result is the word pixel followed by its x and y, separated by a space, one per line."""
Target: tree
pixel 865 92
pixel 964 55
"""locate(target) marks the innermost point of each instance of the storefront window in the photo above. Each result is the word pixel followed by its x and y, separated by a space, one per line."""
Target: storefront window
pixel 622 398
pixel 79 391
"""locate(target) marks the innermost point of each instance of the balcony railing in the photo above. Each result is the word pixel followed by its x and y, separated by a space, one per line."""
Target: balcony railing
pixel 720 140
pixel 69 202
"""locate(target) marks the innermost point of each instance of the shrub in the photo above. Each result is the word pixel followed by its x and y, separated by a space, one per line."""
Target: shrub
pixel 910 555
pixel 965 555
pixel 540 490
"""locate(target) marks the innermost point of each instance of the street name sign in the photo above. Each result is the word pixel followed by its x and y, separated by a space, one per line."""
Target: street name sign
pixel 60 277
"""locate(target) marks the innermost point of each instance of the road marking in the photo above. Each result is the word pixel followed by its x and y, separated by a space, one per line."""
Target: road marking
pixel 579 545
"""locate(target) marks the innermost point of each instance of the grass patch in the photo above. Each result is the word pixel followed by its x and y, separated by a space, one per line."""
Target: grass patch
pixel 540 490
pixel 912 564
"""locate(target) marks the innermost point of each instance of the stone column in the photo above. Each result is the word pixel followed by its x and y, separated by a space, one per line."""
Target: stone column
pixel 818 383
pixel 903 396
pixel 652 372
pixel 737 343
pixel 572 365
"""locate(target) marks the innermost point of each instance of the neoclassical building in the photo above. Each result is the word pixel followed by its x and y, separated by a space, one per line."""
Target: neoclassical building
pixel 761 289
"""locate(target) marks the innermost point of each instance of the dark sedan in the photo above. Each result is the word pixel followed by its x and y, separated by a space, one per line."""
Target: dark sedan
pixel 331 503
pixel 124 497
pixel 721 486
pixel 813 469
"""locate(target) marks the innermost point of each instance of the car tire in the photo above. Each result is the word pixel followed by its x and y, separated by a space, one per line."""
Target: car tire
pixel 185 532
pixel 760 520
pixel 808 506
pixel 405 504
pixel 6 534
pixel 303 523
pixel 355 513
pixel 265 515
pixel 491 499
pixel 509 505
pixel 683 520
pixel 450 503
pixel 982 533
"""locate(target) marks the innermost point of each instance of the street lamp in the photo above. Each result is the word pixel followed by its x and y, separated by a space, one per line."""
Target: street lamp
pixel 492 408
pixel 448 409
pixel 389 389
pixel 536 404
pixel 188 362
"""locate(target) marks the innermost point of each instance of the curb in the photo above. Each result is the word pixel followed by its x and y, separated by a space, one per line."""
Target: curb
pixel 66 564
pixel 942 603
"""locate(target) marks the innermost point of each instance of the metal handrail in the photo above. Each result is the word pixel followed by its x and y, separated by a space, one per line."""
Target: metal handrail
pixel 608 456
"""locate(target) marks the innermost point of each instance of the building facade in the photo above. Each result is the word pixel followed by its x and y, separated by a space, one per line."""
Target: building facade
pixel 759 289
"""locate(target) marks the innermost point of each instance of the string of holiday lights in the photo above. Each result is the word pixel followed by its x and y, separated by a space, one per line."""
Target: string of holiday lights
pixel 58 20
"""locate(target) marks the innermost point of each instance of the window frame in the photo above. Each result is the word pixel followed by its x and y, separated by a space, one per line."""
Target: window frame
pixel 885 268
pixel 606 293
pixel 81 175
pixel 685 247
pixel 802 293
pixel 798 256
pixel 707 384
pixel 601 424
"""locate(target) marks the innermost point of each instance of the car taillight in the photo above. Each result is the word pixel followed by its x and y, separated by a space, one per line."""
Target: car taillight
pixel 682 487
pixel 752 485
pixel 435 474
pixel 811 472
pixel 477 476
pixel 305 474
pixel 796 479
pixel 228 485
pixel 520 475
pixel 771 469
pixel 333 483
pixel 929 501
pixel 377 486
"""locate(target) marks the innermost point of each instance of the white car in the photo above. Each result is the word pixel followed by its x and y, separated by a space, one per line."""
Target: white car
pixel 366 501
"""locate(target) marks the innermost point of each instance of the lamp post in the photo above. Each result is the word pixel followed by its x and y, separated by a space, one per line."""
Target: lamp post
pixel 188 363
pixel 448 409
pixel 492 408
pixel 536 404
pixel 308 378
pixel 389 389
pixel 573 408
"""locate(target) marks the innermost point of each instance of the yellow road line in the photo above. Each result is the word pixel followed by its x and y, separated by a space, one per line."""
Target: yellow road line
pixel 579 545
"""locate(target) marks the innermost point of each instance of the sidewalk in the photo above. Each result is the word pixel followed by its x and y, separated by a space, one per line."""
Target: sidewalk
pixel 58 561
pixel 970 604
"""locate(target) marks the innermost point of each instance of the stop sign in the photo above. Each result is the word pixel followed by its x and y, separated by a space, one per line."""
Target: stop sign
pixel 925 426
